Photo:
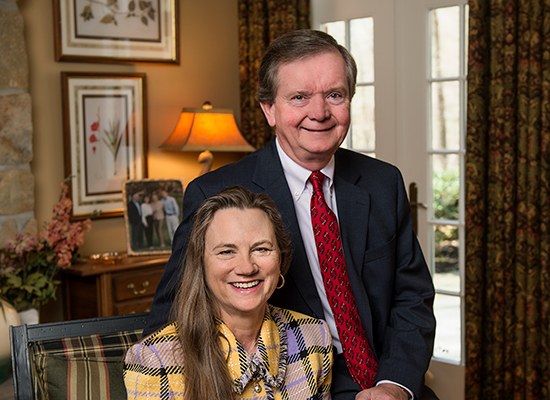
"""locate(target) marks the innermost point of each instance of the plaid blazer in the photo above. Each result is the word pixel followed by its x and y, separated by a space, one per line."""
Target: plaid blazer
pixel 293 360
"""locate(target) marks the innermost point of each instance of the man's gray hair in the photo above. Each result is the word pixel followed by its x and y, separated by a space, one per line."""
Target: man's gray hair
pixel 294 46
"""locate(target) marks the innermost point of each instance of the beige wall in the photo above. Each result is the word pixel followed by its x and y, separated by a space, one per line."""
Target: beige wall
pixel 208 71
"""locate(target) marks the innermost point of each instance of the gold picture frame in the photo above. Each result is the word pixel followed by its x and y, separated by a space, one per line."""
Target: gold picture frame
pixel 116 31
pixel 105 138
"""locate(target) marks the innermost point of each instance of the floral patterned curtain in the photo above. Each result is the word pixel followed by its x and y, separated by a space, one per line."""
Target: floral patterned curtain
pixel 508 201
pixel 261 21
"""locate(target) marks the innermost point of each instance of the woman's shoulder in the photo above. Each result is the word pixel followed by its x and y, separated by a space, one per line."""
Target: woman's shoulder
pixel 165 334
pixel 156 343
pixel 296 320
pixel 294 316
pixel 303 334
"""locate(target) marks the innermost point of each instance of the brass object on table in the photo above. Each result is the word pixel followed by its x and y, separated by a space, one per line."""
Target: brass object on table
pixel 110 257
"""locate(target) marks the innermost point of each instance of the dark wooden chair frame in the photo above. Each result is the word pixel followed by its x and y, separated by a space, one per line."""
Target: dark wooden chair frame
pixel 22 336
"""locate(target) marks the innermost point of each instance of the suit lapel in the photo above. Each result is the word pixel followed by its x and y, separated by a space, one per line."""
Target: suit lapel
pixel 353 215
pixel 269 175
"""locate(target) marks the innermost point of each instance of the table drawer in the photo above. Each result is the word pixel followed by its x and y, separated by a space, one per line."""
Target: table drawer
pixel 134 306
pixel 135 285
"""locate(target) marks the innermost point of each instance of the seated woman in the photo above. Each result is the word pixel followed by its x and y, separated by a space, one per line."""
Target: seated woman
pixel 226 342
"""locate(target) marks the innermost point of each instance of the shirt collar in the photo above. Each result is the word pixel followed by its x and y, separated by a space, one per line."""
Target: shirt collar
pixel 269 361
pixel 297 176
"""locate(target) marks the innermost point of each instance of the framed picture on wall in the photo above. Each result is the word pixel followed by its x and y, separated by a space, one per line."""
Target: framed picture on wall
pixel 116 31
pixel 105 138
pixel 152 212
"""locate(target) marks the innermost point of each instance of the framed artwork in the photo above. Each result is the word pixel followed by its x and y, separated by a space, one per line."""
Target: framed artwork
pixel 152 213
pixel 116 31
pixel 105 138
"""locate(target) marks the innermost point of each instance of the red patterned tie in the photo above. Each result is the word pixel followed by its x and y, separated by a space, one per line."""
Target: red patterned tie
pixel 357 352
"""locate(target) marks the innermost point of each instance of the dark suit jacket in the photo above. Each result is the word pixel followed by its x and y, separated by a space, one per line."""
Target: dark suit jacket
pixel 388 274
pixel 133 213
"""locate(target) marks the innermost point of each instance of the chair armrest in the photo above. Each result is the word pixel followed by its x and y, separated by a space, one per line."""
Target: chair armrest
pixel 23 384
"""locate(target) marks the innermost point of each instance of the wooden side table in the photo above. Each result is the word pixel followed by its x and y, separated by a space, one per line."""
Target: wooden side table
pixel 97 289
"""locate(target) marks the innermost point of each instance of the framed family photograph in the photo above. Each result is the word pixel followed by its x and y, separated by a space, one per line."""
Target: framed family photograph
pixel 116 31
pixel 152 213
pixel 105 138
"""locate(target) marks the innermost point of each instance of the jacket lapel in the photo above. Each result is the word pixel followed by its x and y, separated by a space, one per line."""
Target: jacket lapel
pixel 353 215
pixel 269 175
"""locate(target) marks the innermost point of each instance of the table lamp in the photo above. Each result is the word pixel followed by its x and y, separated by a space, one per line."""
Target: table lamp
pixel 206 129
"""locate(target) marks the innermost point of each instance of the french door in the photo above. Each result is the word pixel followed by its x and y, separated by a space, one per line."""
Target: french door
pixel 409 110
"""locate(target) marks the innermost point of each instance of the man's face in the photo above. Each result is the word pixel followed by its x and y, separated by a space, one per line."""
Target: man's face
pixel 311 112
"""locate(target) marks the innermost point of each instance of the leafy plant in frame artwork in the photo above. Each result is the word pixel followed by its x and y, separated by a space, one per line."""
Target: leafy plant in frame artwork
pixel 116 31
pixel 141 9
pixel 112 138
pixel 105 144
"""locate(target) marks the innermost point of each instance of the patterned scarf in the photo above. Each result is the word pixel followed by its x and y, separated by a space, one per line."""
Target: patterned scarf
pixel 267 364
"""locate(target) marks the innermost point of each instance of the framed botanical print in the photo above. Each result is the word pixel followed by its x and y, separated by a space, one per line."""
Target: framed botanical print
pixel 105 138
pixel 116 31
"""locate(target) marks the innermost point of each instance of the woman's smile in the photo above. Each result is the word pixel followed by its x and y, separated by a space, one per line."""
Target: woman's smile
pixel 246 285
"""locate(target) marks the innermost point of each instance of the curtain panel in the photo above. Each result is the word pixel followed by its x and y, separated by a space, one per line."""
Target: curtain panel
pixel 261 21
pixel 508 201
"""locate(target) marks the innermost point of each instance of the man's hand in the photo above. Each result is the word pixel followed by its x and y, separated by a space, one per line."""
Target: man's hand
pixel 384 391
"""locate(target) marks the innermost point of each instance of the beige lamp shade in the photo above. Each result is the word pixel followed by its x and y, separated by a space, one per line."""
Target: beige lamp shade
pixel 207 128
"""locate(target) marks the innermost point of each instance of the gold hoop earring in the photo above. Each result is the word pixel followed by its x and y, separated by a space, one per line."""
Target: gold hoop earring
pixel 283 283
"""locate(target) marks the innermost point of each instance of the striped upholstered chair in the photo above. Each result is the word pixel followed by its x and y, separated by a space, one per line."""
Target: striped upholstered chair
pixel 79 359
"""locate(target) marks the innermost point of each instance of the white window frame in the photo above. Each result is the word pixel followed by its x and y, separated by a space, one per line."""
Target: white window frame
pixel 396 115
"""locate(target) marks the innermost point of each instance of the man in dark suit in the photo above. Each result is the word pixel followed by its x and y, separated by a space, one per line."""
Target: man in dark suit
pixel 306 84
pixel 136 225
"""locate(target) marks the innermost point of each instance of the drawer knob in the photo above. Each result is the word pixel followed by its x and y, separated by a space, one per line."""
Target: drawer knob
pixel 136 292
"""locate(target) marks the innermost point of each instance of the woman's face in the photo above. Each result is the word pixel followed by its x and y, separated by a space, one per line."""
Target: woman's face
pixel 242 261
pixel 155 198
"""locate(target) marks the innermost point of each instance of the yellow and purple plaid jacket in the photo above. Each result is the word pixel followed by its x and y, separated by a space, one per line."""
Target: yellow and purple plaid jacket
pixel 293 360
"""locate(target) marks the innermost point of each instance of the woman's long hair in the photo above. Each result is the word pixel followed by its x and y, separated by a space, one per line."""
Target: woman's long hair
pixel 206 374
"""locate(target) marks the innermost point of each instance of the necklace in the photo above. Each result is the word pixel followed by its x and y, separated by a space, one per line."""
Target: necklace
pixel 254 345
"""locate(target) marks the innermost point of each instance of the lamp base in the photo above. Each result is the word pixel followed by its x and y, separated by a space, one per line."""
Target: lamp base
pixel 206 158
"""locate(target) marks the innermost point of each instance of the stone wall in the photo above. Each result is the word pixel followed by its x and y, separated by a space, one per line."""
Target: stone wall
pixel 16 179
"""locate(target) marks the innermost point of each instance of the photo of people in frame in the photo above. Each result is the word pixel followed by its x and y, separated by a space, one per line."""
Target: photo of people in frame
pixel 152 213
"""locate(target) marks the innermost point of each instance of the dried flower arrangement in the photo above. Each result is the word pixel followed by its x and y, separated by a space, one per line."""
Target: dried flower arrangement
pixel 29 263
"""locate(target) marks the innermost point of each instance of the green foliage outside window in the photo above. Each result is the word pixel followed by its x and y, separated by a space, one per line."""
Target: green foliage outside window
pixel 446 185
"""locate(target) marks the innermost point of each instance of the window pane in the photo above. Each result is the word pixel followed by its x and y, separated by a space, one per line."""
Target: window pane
pixel 445 107
pixel 361 47
pixel 445 41
pixel 447 335
pixel 445 186
pixel 362 135
pixel 337 30
pixel 446 244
